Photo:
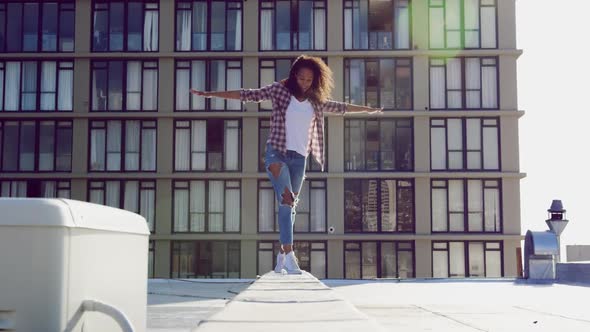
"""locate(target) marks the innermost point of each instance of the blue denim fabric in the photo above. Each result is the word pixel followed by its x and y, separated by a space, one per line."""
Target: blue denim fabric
pixel 291 176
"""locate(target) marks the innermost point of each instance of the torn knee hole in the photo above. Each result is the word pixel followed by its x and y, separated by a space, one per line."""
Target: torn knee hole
pixel 288 197
pixel 275 169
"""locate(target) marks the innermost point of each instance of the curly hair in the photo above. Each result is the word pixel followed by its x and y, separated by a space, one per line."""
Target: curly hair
pixel 323 83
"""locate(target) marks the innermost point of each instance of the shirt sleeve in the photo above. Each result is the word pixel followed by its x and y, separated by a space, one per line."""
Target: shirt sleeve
pixel 335 107
pixel 257 95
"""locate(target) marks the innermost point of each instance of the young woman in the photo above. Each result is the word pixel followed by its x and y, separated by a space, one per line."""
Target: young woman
pixel 296 129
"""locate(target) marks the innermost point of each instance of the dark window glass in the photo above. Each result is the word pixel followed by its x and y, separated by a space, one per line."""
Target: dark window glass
pixel 205 259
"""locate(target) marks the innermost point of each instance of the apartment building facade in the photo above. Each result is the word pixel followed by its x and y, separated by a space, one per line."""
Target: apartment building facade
pixel 94 106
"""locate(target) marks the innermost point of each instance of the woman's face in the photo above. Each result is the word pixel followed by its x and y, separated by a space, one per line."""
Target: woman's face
pixel 304 79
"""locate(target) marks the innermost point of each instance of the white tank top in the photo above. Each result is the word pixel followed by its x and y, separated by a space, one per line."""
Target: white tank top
pixel 299 117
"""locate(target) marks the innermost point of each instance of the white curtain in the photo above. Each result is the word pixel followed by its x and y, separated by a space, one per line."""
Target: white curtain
pixel 183 40
pixel 147 206
pixel 474 147
pixel 488 27
pixel 48 88
pixel 456 206
pixel 198 75
pixel 182 150
pixel 437 28
pixel 200 26
pixel 65 93
pixel 232 210
pixel 439 210
pixel 437 87
pixel 182 89
pixel 492 209
pixel 46 145
pixel 132 145
pixel 475 205
pixel 348 29
pixel 318 211
pixel 491 151
pixel 216 206
pixel 402 22
pixel 319 26
pixel 472 82
pixel 453 23
pixel 13 89
pixel 454 83
pixel 440 264
pixel 231 148
pixel 181 210
pixel 238 41
pixel 493 263
pixel 471 23
pixel 48 189
pixel 112 193
pixel 438 151
pixel 150 31
pixel 266 216
pixel 133 85
pixel 455 143
pixel 131 196
pixel 148 150
pixel 199 145
pixel 97 149
pixel 218 83
pixel 197 206
pixel 457 259
pixel 96 196
pixel 150 89
pixel 113 138
pixel 29 86
pixel 234 82
pixel 266 28
pixel 489 87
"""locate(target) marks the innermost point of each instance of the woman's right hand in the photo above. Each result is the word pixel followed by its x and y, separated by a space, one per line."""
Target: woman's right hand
pixel 201 93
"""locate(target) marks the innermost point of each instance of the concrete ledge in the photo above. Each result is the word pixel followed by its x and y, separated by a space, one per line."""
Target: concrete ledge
pixel 278 302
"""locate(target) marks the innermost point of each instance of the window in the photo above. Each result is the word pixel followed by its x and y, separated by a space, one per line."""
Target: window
pixel 207 75
pixel 37 26
pixel 206 206
pixel 311 255
pixel 292 25
pixel 464 83
pixel 466 205
pixel 378 259
pixel 125 26
pixel 462 24
pixel 122 145
pixel 151 259
pixel 135 196
pixel 36 85
pixel 311 164
pixel 205 259
pixel 378 145
pixel 208 25
pixel 464 144
pixel 311 209
pixel 376 24
pixel 383 83
pixel 461 259
pixel 207 145
pixel 35 188
pixel 125 85
pixel 44 146
pixel 376 206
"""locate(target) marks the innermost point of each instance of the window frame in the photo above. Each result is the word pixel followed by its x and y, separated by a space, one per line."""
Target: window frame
pixel 176 186
pixel 379 255
pixel 464 143
pixel 379 213
pixel 499 227
pixel 64 123
pixel 196 256
pixel 145 8
pixel 143 124
pixel 296 244
pixel 177 9
pixel 466 255
pixel 60 184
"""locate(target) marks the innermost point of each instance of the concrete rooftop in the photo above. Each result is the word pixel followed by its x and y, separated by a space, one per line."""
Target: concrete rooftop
pixel 277 302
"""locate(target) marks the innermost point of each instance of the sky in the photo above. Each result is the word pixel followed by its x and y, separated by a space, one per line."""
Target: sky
pixel 554 133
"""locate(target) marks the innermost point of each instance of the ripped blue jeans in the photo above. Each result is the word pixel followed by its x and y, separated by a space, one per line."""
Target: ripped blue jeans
pixel 287 185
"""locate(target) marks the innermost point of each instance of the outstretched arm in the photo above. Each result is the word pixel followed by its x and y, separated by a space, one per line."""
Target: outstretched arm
pixel 351 108
pixel 235 94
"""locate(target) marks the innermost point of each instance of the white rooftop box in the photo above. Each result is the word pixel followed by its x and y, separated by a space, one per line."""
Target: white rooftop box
pixel 60 259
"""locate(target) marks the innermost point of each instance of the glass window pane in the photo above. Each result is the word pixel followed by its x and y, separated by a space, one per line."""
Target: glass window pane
pixel 493 264
pixel 388 260
pixel 352 260
pixel 370 260
pixel 476 260
pixel 440 264
pixel 457 256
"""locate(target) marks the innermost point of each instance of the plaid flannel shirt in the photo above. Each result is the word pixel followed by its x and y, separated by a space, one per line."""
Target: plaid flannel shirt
pixel 280 97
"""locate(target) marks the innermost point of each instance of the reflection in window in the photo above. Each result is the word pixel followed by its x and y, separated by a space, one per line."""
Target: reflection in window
pixel 376 24
pixel 378 259
pixel 383 83
pixel 35 188
pixel 375 206
pixel 205 259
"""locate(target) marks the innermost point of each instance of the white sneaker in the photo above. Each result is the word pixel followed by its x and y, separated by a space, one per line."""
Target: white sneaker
pixel 280 263
pixel 291 264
